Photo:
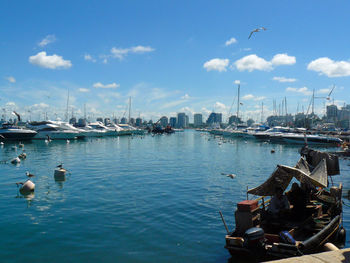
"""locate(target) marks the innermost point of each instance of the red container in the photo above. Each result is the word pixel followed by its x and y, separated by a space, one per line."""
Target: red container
pixel 247 205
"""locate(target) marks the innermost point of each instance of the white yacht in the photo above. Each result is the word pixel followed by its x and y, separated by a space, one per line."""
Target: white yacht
pixel 101 127
pixel 12 132
pixel 52 130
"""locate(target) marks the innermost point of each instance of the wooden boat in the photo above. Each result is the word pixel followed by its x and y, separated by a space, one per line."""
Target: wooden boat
pixel 262 237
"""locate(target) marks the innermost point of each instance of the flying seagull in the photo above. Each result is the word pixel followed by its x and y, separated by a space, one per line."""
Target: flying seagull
pixel 256 30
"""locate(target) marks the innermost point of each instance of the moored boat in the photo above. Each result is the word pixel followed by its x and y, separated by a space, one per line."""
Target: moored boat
pixel 11 132
pixel 296 232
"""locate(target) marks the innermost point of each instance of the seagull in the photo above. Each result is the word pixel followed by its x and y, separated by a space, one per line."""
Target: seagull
pixel 256 30
pixel 60 165
pixel 29 175
pixel 231 176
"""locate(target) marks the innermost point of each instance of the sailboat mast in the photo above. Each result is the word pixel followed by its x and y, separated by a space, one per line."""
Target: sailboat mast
pixel 67 106
pixel 238 102
pixel 129 109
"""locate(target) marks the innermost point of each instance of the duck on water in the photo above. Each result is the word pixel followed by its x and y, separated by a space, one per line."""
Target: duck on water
pixel 301 222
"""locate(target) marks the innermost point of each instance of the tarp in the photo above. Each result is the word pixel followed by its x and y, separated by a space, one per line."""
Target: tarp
pixel 314 157
pixel 283 174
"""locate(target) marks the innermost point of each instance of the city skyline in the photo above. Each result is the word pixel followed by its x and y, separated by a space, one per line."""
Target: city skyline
pixel 171 57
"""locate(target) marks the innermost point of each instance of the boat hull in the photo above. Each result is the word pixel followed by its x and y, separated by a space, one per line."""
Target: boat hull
pixel 17 136
pixel 56 135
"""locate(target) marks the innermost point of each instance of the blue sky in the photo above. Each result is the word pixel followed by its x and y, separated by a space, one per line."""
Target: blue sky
pixel 171 56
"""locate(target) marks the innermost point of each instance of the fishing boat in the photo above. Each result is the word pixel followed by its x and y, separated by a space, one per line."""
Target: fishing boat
pixel 259 235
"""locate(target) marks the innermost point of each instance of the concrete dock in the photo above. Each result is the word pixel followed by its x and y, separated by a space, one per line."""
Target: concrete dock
pixel 339 256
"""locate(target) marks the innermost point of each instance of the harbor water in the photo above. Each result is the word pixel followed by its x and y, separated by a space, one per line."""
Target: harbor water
pixel 133 199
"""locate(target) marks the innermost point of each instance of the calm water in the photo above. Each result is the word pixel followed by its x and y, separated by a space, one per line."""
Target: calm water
pixel 151 199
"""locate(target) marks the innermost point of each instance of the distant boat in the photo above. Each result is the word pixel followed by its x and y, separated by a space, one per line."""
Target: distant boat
pixel 295 138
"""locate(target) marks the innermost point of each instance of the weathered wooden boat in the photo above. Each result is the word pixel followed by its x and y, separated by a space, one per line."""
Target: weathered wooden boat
pixel 261 236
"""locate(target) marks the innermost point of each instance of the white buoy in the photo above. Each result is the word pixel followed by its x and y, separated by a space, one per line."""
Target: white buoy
pixel 1 143
pixel 68 141
pixel 60 174
pixel 27 187
pixel 15 160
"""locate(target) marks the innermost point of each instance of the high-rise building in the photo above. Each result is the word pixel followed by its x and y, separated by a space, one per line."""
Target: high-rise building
pixel 116 121
pixel 214 118
pixel 187 121
pixel 107 121
pixel 138 122
pixel 197 120
pixel 163 121
pixel 132 121
pixel 332 112
pixel 181 120
pixel 172 121
pixel 123 120
pixel 99 119
pixel 73 120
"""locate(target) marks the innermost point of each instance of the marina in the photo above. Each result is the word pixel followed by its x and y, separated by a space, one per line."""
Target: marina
pixel 128 198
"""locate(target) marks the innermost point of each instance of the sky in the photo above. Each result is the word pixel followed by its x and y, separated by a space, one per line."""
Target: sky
pixel 171 56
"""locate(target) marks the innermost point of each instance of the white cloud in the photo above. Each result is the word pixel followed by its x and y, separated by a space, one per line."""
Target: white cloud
pixel 303 90
pixel 88 57
pixel 329 67
pixel 10 104
pixel 83 90
pixel 237 82
pixel 248 97
pixel 283 79
pixel 11 79
pixel 253 62
pixel 141 49
pixel 122 52
pixel 216 64
pixel 41 105
pixel 107 86
pixel 259 98
pixel 252 97
pixel 47 40
pixel 323 91
pixel 231 41
pixel 51 62
pixel 219 106
pixel 283 59
pixel 185 97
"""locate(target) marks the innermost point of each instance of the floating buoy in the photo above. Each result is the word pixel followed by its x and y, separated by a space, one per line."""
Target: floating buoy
pixel 27 187
pixel 68 141
pixel 1 143
pixel 15 160
pixel 272 151
pixel 60 173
